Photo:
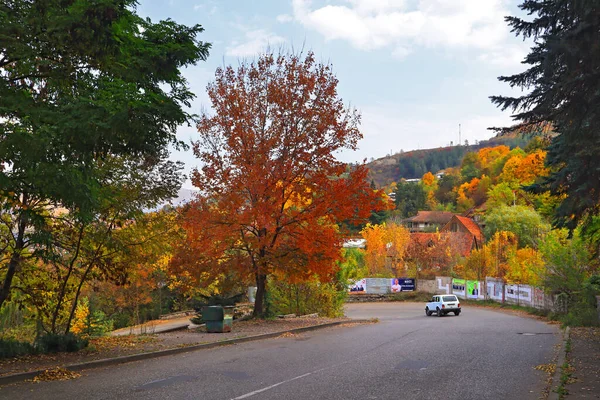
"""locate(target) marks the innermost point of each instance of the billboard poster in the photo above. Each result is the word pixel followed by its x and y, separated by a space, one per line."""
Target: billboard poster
pixel 458 287
pixel 494 290
pixel 402 285
pixel 472 289
pixel 358 286
pixel 518 293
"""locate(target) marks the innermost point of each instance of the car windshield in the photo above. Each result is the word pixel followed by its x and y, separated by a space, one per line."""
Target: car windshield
pixel 450 298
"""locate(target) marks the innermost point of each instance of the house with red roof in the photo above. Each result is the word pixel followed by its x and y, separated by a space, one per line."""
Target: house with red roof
pixel 466 227
pixel 434 253
pixel 428 221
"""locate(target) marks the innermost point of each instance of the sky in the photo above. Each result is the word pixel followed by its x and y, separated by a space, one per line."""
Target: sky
pixel 415 69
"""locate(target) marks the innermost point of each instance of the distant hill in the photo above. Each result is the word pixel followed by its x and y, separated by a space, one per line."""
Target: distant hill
pixel 413 164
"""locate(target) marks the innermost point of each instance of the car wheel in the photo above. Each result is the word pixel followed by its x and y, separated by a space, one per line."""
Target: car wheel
pixel 457 313
pixel 439 312
pixel 427 312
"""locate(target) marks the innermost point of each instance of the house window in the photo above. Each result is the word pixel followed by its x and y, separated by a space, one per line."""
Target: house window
pixel 454 227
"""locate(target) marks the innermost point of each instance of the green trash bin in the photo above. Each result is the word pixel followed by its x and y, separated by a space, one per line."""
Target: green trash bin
pixel 217 318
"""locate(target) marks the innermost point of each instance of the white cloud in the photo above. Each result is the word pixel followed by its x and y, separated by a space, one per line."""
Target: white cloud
pixel 403 24
pixel 210 8
pixel 401 52
pixel 509 56
pixel 255 42
pixel 283 18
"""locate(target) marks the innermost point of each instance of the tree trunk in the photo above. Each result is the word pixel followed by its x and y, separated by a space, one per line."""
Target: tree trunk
pixel 261 290
pixel 89 267
pixel 74 306
pixel 15 259
pixel 61 295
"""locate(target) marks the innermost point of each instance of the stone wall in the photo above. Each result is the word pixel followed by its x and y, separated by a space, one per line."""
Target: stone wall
pixel 490 289
pixel 366 298
pixel 427 285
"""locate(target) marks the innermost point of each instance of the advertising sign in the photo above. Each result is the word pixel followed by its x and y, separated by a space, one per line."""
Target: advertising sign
pixel 402 285
pixel 518 294
pixel 472 289
pixel 458 287
pixel 494 290
pixel 358 286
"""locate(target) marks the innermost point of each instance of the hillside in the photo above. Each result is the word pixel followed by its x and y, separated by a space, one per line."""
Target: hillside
pixel 413 164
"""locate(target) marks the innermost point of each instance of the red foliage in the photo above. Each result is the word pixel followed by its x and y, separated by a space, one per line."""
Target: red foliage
pixel 272 192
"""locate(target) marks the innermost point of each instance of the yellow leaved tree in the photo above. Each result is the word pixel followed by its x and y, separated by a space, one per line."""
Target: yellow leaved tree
pixel 386 248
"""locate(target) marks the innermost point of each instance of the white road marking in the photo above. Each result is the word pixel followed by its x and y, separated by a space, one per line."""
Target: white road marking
pixel 245 396
pixel 270 387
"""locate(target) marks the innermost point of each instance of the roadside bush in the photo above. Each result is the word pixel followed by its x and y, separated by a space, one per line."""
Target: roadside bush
pixel 305 298
pixel 580 315
pixel 88 322
pixel 54 343
pixel 10 348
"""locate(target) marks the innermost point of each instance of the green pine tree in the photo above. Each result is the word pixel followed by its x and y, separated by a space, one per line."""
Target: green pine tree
pixel 562 87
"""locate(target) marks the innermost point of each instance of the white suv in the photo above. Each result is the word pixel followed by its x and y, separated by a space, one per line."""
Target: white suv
pixel 443 304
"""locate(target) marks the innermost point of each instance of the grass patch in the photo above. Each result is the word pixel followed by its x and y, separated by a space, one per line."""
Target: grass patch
pixel 410 296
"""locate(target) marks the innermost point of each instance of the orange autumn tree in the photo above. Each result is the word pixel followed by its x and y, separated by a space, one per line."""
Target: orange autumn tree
pixel 491 260
pixel 525 169
pixel 272 194
pixel 490 159
pixel 472 193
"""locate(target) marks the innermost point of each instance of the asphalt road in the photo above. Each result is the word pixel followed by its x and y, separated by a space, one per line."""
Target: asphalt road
pixel 482 354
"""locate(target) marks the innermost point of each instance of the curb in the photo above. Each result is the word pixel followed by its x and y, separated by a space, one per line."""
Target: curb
pixel 22 376
pixel 562 356
pixel 167 330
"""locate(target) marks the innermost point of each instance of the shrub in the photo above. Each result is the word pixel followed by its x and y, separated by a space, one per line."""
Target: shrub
pixel 10 348
pixel 580 315
pixel 305 298
pixel 54 343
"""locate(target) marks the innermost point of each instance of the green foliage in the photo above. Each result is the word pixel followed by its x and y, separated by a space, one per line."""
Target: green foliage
pixel 378 217
pixel 523 221
pixel 500 195
pixel 579 315
pixel 410 198
pixel 306 298
pixel 97 324
pixel 10 348
pixel 122 319
pixel 468 168
pixel 567 274
pixel 353 267
pixel 10 316
pixel 446 184
pixel 55 343
pixel 561 89
pixel 567 261
pixel 90 93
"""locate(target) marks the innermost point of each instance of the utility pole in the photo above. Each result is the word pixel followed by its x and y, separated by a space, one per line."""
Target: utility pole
pixel 459 142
